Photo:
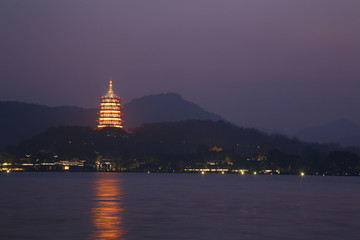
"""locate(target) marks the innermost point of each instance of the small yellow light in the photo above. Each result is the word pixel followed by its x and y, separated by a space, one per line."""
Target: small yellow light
pixel 222 172
pixel 242 172
pixel 8 170
pixel 66 167
pixel 255 173
pixel 202 172
pixel 148 172
pixel 302 173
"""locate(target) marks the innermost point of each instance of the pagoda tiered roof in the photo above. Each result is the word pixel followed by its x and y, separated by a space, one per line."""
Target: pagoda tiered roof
pixel 110 110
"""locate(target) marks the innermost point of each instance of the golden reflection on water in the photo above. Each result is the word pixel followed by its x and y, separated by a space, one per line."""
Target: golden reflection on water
pixel 107 212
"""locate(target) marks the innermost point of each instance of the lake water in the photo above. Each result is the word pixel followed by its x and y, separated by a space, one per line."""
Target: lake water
pixel 177 206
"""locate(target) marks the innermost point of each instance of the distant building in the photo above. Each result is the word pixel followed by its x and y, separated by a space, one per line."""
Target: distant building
pixel 110 110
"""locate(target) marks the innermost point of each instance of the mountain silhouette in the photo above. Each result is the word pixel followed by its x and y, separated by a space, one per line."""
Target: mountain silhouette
pixel 20 121
pixel 343 131
pixel 166 107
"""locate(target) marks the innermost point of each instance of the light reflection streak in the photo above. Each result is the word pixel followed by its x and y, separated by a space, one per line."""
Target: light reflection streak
pixel 107 213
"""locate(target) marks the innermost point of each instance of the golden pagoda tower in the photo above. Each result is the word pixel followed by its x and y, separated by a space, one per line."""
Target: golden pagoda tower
pixel 110 110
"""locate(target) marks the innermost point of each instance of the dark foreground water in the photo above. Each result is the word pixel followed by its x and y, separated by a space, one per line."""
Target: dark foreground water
pixel 177 206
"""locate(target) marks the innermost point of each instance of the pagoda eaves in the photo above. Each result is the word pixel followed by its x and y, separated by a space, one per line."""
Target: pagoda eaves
pixel 110 110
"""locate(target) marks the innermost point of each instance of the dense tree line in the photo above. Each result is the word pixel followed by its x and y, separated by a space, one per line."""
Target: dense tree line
pixel 175 146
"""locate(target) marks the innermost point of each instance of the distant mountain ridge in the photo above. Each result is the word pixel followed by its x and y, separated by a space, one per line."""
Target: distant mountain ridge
pixel 166 107
pixel 20 121
pixel 343 131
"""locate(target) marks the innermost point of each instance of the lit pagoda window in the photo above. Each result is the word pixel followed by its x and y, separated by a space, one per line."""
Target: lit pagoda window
pixel 110 110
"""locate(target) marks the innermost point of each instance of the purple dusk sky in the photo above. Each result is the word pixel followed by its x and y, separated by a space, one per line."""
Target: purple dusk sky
pixel 274 64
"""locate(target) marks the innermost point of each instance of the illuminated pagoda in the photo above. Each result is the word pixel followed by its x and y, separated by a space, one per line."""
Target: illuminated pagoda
pixel 110 110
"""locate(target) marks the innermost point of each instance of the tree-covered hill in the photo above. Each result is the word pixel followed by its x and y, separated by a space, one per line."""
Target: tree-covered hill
pixel 177 146
pixel 168 137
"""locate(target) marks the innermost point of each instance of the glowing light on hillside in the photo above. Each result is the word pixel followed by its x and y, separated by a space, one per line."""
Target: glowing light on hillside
pixel 302 174
pixel 110 110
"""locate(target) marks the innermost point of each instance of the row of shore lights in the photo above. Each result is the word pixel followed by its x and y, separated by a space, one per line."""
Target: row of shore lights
pixel 243 173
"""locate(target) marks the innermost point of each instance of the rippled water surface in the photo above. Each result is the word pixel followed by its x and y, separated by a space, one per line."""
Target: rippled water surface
pixel 177 206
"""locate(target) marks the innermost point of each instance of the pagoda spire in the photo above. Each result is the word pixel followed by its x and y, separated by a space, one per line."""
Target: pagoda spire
pixel 110 85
